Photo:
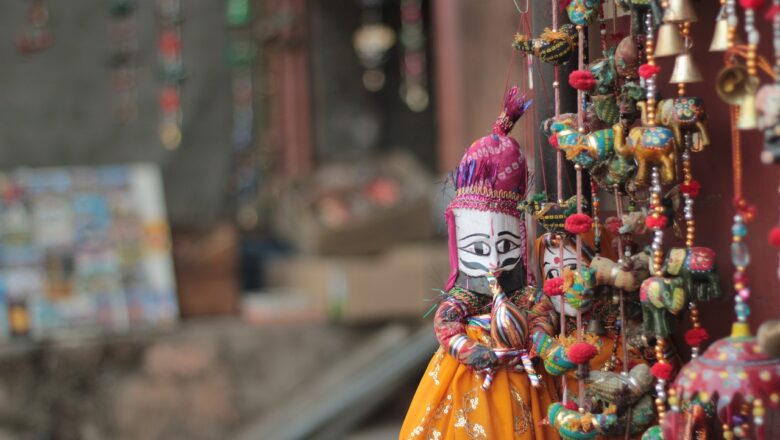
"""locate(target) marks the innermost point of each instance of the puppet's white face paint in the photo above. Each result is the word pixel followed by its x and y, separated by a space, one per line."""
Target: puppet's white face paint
pixel 551 268
pixel 487 241
pixel 551 261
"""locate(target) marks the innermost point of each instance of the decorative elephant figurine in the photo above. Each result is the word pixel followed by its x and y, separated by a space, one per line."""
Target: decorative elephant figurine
pixel 661 298
pixel 633 223
pixel 554 47
pixel 582 12
pixel 697 269
pixel 628 278
pixel 620 389
pixel 587 150
pixel 682 114
pixel 574 425
pixel 649 146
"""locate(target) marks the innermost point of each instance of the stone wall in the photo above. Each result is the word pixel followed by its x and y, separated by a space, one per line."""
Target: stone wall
pixel 201 381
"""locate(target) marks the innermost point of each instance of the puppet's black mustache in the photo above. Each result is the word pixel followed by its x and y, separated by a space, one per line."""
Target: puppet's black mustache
pixel 473 265
pixel 509 262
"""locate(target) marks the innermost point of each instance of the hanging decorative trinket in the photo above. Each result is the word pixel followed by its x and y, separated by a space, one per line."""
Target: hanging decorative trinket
pixel 37 36
pixel 171 66
pixel 414 76
pixel 372 41
pixel 124 57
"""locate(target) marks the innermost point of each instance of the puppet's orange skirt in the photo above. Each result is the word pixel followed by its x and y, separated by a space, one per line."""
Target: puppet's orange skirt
pixel 450 404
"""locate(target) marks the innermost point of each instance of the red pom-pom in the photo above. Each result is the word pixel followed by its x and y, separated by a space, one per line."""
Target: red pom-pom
pixel 571 405
pixel 695 336
pixel 553 287
pixel 581 352
pixel 774 236
pixel 771 12
pixel 582 80
pixel 553 140
pixel 692 189
pixel 654 222
pixel 613 225
pixel 578 223
pixel 662 370
pixel 751 4
pixel 646 71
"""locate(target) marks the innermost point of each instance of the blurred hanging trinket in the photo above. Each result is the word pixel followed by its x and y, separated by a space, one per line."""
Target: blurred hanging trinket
pixel 124 54
pixel 372 41
pixel 171 66
pixel 36 36
pixel 413 90
pixel 238 13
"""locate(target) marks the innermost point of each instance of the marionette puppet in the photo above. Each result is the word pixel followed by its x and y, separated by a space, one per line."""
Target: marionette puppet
pixel 481 382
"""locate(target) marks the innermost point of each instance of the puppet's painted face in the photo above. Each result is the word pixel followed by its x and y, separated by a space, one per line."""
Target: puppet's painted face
pixel 487 241
pixel 551 268
pixel 551 260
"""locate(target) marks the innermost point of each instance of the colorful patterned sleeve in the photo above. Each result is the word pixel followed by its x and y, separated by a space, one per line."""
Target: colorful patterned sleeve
pixel 542 316
pixel 450 327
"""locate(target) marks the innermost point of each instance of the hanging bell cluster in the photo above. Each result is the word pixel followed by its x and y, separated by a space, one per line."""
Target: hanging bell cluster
pixel 671 42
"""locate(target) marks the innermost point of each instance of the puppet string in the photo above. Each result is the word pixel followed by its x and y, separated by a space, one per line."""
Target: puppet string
pixel 621 296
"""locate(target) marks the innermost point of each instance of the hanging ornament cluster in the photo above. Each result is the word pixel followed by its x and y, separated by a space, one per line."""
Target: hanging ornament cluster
pixel 414 76
pixel 123 32
pixel 631 144
pixel 171 66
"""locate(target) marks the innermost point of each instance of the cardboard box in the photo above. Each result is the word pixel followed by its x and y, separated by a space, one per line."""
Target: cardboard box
pixel 207 271
pixel 402 283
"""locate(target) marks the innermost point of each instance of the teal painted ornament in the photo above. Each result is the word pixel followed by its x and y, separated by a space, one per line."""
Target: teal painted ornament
pixel 582 12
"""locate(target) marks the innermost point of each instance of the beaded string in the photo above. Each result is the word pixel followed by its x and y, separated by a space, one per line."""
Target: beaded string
pixel 657 212
pixel 559 187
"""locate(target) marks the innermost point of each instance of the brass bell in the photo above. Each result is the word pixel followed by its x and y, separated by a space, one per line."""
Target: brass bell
pixel 669 41
pixel 748 116
pixel 596 328
pixel 685 70
pixel 732 84
pixel 720 40
pixel 680 11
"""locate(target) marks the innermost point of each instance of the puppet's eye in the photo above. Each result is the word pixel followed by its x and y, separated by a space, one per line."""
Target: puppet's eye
pixel 479 248
pixel 505 246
